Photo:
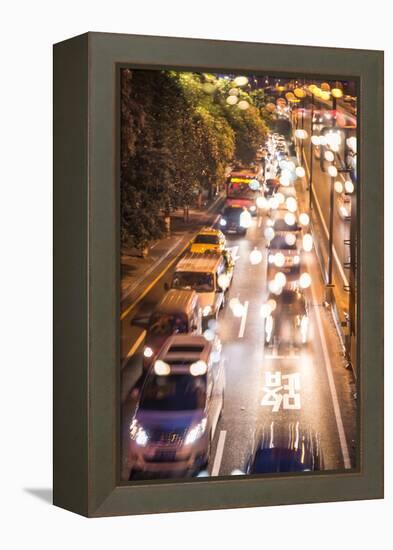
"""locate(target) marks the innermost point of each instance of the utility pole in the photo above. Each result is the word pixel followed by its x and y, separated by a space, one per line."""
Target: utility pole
pixel 330 285
pixel 311 149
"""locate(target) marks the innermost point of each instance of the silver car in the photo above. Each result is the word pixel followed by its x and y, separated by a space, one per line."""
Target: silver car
pixel 178 410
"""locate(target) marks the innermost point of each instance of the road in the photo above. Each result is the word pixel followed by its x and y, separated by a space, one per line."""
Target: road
pixel 325 388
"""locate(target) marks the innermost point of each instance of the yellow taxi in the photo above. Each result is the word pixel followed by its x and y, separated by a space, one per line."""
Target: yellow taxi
pixel 208 239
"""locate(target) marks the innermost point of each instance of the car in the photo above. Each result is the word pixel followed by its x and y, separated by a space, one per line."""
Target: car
pixel 271 185
pixel 177 312
pixel 286 224
pixel 208 239
pixel 235 219
pixel 287 191
pixel 284 255
pixel 288 447
pixel 288 318
pixel 178 409
pixel 344 206
pixel 210 275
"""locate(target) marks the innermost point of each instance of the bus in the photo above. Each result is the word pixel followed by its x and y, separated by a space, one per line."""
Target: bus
pixel 243 188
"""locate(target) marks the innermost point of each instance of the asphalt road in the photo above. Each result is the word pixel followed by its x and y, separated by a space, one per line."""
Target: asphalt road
pixel 324 388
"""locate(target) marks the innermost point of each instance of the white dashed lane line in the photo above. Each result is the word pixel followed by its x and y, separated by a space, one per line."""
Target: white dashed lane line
pixel 219 453
pixel 244 319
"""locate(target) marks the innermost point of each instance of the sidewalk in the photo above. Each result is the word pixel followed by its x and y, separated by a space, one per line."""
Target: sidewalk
pixel 137 272
pixel 340 302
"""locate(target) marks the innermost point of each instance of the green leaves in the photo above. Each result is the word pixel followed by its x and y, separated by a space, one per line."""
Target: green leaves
pixel 177 137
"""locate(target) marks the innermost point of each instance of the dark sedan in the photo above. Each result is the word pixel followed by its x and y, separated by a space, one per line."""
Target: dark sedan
pixel 286 448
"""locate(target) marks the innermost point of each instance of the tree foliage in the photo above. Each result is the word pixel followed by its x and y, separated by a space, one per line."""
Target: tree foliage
pixel 178 135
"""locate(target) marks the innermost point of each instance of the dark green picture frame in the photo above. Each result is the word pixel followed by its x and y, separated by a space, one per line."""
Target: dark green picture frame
pixel 86 274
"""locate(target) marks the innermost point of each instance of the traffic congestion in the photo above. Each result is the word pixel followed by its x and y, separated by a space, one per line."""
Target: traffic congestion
pixel 240 364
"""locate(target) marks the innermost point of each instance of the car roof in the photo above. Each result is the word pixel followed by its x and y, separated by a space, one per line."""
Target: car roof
pixel 210 231
pixel 176 300
pixel 185 348
pixel 233 207
pixel 279 242
pixel 287 293
pixel 280 224
pixel 199 262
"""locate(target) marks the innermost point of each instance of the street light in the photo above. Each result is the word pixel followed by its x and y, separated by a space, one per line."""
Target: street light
pixel 315 140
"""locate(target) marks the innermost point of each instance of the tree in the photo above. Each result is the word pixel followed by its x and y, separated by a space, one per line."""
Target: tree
pixel 250 131
pixel 178 135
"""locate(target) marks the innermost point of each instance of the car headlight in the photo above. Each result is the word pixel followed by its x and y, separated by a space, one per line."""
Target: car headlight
pixel 253 208
pixel 296 259
pixel 196 432
pixel 138 433
pixel 223 222
pixel 206 310
pixel 148 352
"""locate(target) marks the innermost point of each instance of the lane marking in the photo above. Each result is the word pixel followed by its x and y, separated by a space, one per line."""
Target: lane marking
pixel 151 268
pixel 282 389
pixel 332 387
pixel 219 453
pixel 244 318
pixel 150 286
pixel 134 347
pixel 336 258
pixel 294 356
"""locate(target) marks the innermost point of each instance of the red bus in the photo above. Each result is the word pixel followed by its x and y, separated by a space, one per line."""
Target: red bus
pixel 243 188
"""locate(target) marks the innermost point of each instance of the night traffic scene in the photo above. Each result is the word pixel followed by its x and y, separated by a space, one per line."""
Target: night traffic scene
pixel 238 275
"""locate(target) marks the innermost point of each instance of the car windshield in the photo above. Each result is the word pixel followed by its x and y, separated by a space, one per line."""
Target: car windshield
pixel 206 239
pixel 175 392
pixel 289 302
pixel 232 212
pixel 162 324
pixel 279 242
pixel 186 280
pixel 241 190
pixel 281 225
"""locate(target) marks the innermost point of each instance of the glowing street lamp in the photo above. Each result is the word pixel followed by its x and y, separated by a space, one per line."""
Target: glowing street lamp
pixel 243 105
pixel 315 140
pixel 241 81
pixel 332 171
pixel 338 186
pixel 337 93
pixel 232 100
pixel 349 187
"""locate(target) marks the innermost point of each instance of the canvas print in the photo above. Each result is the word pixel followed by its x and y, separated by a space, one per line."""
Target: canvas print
pixel 238 250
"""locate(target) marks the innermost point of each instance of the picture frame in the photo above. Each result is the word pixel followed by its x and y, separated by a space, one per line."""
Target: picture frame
pixel 86 383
